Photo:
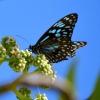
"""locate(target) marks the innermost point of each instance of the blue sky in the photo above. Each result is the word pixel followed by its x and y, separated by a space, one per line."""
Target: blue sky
pixel 31 18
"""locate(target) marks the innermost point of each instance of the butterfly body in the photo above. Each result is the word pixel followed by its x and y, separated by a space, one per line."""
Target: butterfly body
pixel 56 42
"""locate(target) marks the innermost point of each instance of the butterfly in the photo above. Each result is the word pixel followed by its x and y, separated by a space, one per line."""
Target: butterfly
pixel 56 43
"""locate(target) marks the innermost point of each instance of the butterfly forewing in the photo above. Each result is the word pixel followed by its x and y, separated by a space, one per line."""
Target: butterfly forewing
pixel 56 42
pixel 63 27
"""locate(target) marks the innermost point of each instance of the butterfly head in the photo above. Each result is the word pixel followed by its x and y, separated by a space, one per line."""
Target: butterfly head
pixel 33 48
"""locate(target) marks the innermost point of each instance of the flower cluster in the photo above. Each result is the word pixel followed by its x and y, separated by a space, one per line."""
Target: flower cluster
pixel 20 60
pixel 28 57
pixel 8 43
pixel 41 97
pixel 2 52
pixel 44 66
pixel 25 92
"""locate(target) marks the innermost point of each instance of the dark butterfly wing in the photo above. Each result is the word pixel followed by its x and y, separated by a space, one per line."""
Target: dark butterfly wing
pixel 55 51
pixel 75 45
pixel 63 27
pixel 55 54
pixel 56 42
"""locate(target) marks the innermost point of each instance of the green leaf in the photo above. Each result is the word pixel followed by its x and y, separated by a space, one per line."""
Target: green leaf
pixel 96 93
pixel 70 75
pixel 70 78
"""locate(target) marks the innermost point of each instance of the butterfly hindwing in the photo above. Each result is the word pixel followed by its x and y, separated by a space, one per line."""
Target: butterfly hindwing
pixel 53 54
pixel 76 45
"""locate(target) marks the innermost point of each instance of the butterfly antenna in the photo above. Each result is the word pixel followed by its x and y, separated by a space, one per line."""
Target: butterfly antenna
pixel 23 39
pixel 38 90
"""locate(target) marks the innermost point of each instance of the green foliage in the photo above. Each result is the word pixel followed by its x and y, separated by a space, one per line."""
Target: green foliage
pixel 96 93
pixel 70 78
